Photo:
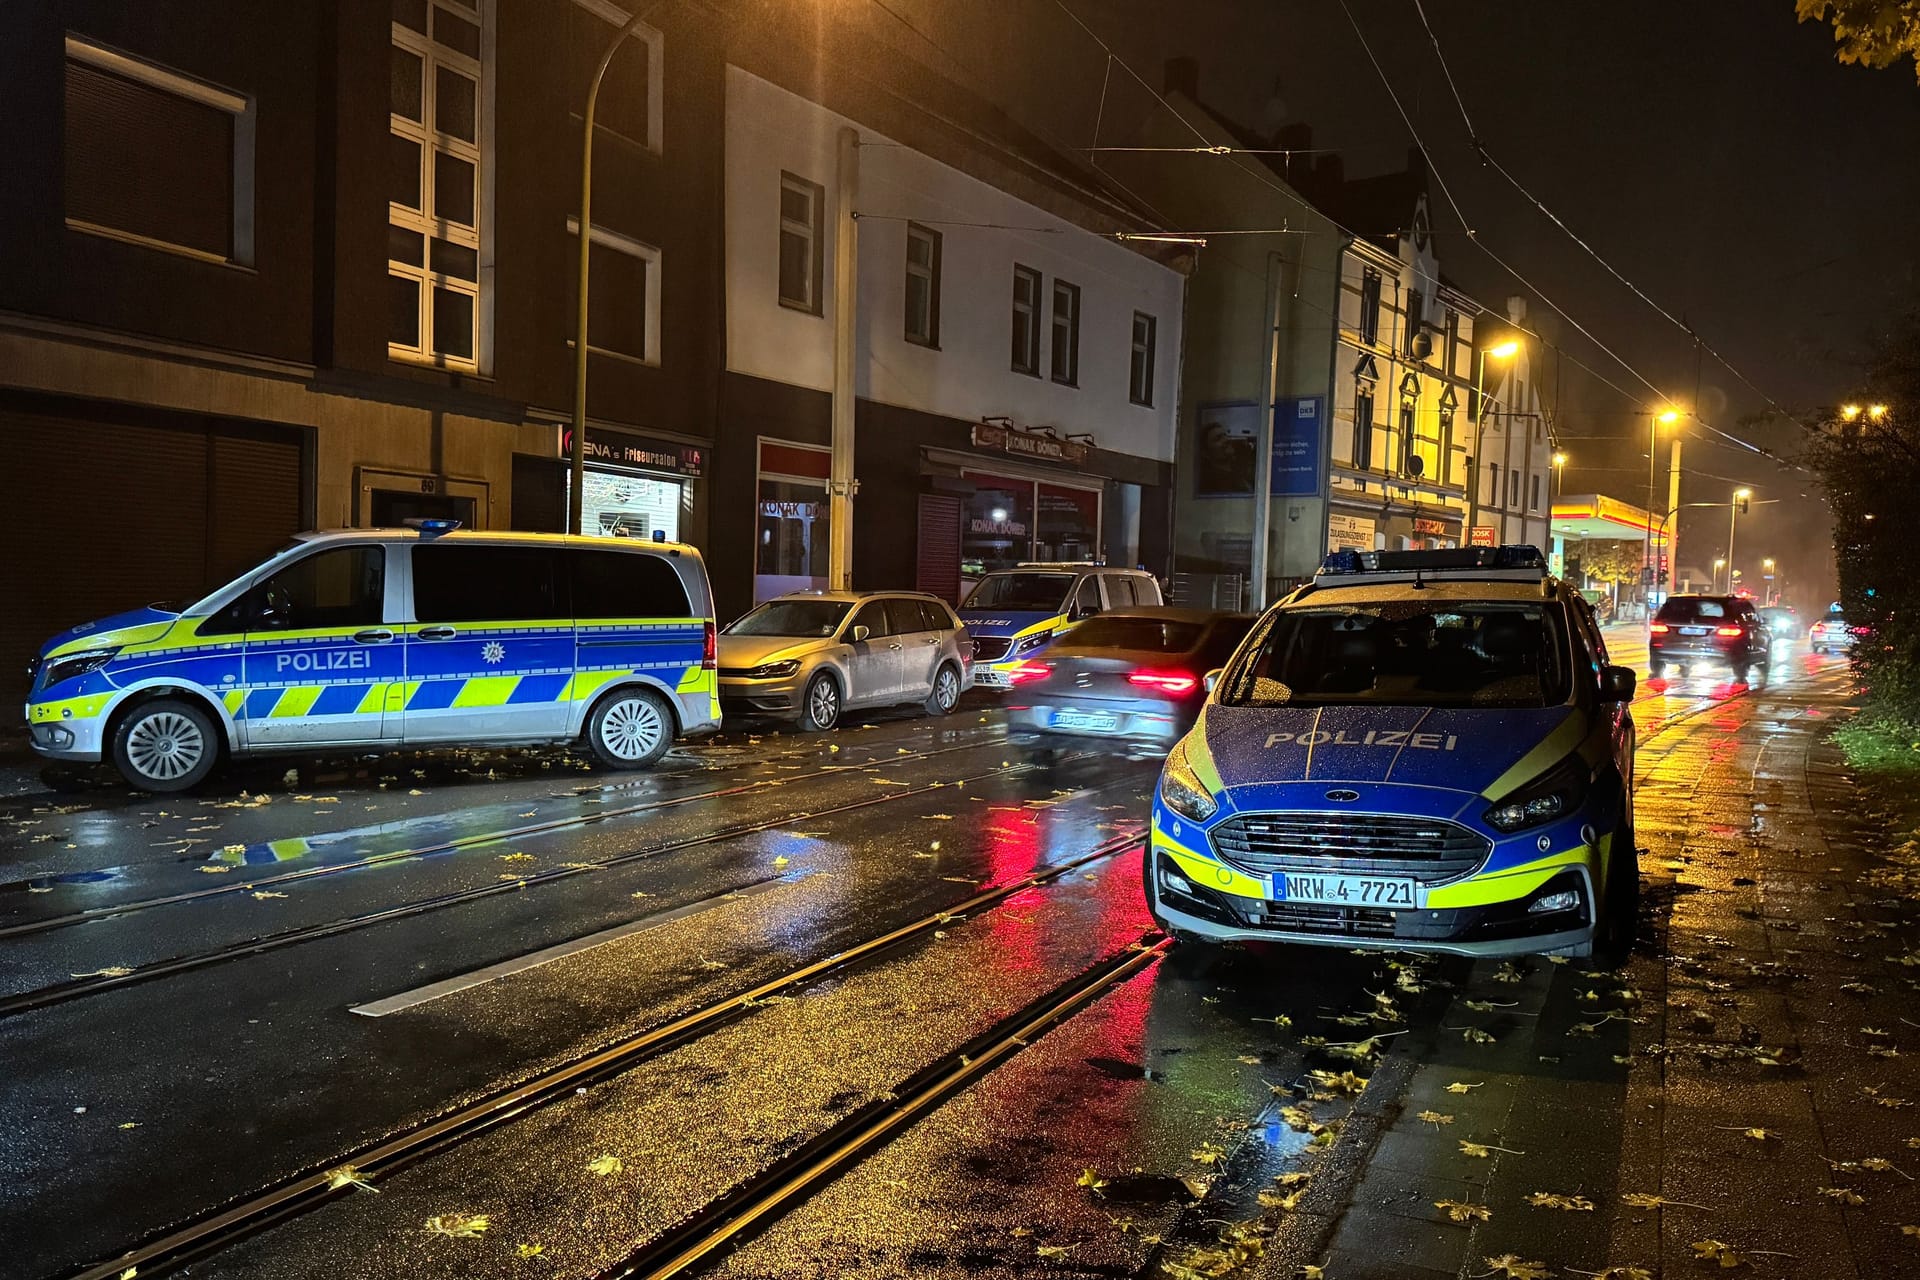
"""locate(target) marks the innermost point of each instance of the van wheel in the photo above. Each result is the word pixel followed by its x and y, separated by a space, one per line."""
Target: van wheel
pixel 820 705
pixel 1620 917
pixel 946 691
pixel 168 744
pixel 629 729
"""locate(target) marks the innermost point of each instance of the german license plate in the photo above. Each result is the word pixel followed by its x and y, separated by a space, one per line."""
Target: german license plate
pixel 1086 721
pixel 1346 891
pixel 1693 631
pixel 991 679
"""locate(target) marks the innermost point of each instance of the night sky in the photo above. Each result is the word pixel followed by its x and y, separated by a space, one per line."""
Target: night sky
pixel 1713 151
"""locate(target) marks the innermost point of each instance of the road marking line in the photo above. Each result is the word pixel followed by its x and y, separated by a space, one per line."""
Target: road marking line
pixel 547 955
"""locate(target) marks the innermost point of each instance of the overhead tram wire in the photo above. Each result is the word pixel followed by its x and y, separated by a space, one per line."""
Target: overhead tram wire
pixel 1487 157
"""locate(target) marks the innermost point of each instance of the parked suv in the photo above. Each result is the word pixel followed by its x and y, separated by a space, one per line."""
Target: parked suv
pixel 1013 614
pixel 1690 632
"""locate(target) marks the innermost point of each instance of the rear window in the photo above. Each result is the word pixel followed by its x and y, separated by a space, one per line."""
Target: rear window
pixel 1110 632
pixel 626 584
pixel 1693 609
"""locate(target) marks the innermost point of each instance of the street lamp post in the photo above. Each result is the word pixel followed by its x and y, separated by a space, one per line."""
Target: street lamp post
pixel 1716 575
pixel 1766 567
pixel 1654 422
pixel 1504 351
pixel 1733 520
pixel 577 455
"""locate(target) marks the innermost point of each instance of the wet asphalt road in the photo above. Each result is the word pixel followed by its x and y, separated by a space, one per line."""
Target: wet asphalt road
pixel 207 994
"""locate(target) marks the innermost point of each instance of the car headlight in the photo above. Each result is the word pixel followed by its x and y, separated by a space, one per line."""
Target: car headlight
pixel 1032 642
pixel 77 664
pixel 774 670
pixel 1180 787
pixel 1554 794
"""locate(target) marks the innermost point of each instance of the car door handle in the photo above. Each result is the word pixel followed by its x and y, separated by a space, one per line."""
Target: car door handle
pixel 435 633
pixel 373 635
pixel 894 645
pixel 931 640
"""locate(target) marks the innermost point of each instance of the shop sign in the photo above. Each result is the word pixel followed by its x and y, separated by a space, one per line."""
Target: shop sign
pixel 1423 525
pixel 790 510
pixel 628 449
pixel 997 528
pixel 1027 444
pixel 1349 533
pixel 1484 535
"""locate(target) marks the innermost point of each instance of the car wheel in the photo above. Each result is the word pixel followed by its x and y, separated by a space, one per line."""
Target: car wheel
pixel 630 729
pixel 820 705
pixel 168 744
pixel 946 691
pixel 1620 916
pixel 1743 674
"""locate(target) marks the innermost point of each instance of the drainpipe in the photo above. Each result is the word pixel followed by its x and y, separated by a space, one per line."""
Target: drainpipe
pixel 841 486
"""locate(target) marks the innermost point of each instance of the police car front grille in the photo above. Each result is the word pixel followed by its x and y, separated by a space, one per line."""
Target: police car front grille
pixel 1343 922
pixel 990 648
pixel 1428 849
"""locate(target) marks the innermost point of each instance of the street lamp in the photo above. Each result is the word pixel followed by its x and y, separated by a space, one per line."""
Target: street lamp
pixel 1666 417
pixel 1740 497
pixel 1850 411
pixel 1716 575
pixel 1501 351
pixel 1766 567
pixel 1559 479
pixel 1877 412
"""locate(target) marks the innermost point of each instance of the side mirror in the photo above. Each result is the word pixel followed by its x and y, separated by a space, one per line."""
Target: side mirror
pixel 861 633
pixel 1213 677
pixel 1617 684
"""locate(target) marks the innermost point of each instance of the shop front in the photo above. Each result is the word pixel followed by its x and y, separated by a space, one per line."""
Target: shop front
pixel 637 486
pixel 792 518
pixel 1394 526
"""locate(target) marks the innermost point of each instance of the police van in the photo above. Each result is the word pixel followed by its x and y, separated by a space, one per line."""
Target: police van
pixel 389 638
pixel 1012 614
pixel 1417 751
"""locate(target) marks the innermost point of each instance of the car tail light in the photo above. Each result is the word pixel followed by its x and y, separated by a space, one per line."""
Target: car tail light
pixel 1861 631
pixel 710 655
pixel 1177 683
pixel 1028 672
pixel 1729 631
pixel 1658 628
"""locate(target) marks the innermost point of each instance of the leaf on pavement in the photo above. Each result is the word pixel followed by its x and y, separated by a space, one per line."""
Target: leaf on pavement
pixel 1249 1059
pixel 1488 1006
pixel 1717 1251
pixel 1910 1230
pixel 347 1176
pixel 1461 1211
pixel 458 1225
pixel 1054 1250
pixel 529 1250
pixel 1207 1154
pixel 712 966
pixel 516 857
pixel 1091 1180
pixel 1554 1200
pixel 1646 1200
pixel 1344 1082
pixel 265 894
pixel 1844 1195
pixel 1298 1117
pixel 1434 1118
pixel 1507 973
pixel 111 971
pixel 1475 1035
pixel 781 861
pixel 1458 1087
pixel 1510 1266
pixel 1279 1020
pixel 1285 1200
pixel 1619 1271
pixel 212 869
pixel 129 1273
pixel 1310 1272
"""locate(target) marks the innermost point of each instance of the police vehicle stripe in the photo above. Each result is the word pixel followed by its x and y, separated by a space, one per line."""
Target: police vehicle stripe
pixel 486 691
pixel 340 700
pixel 297 701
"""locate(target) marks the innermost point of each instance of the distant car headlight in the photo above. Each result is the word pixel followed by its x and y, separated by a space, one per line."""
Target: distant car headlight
pixel 78 664
pixel 1032 642
pixel 1181 788
pixel 774 670
pixel 1555 794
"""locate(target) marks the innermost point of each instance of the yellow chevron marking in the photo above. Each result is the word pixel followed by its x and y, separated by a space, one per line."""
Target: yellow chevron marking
pixel 485 691
pixel 296 701
pixel 1552 749
pixel 696 680
pixel 234 698
pixel 1205 871
pixel 585 684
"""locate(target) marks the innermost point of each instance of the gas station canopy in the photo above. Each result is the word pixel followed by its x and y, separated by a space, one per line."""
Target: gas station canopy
pixel 1581 517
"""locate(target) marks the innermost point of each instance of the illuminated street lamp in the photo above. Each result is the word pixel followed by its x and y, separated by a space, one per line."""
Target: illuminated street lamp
pixel 1501 351
pixel 1559 477
pixel 1877 412
pixel 1716 575
pixel 1738 505
pixel 1665 418
pixel 1850 412
pixel 1766 566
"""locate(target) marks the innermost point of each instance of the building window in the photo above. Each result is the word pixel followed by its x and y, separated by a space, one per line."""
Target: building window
pixel 802 210
pixel 1493 484
pixel 1066 333
pixel 157 158
pixel 1370 308
pixel 623 296
pixel 1407 441
pixel 1416 311
pixel 434 184
pixel 793 519
pixel 1446 442
pixel 1513 490
pixel 629 104
pixel 1363 427
pixel 923 285
pixel 1533 492
pixel 1140 369
pixel 1026 320
pixel 1453 343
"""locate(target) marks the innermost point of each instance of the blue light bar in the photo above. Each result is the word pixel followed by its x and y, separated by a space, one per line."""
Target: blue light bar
pixel 431 528
pixel 1512 556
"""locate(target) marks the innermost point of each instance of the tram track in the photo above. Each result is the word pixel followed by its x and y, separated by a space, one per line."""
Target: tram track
pixel 807 1167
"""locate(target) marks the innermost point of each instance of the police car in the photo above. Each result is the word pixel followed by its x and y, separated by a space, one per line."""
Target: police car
pixel 1012 614
pixel 384 638
pixel 1418 750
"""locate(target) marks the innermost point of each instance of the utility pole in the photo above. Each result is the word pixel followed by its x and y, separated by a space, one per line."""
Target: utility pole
pixel 841 485
pixel 1263 451
pixel 1673 504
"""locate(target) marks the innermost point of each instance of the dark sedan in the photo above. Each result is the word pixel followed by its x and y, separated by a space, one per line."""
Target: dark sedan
pixel 1130 682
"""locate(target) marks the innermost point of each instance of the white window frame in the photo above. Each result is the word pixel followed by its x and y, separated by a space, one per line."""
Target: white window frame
pixel 930 336
pixel 1032 310
pixel 655 41
pixel 423 220
pixel 647 254
pixel 1069 320
pixel 166 80
pixel 809 231
pixel 1143 356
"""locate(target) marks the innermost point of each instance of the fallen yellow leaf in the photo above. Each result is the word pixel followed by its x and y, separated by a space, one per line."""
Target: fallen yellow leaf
pixel 606 1166
pixel 458 1225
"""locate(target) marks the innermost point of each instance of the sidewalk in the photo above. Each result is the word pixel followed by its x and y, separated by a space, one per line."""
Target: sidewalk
pixel 1745 1094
